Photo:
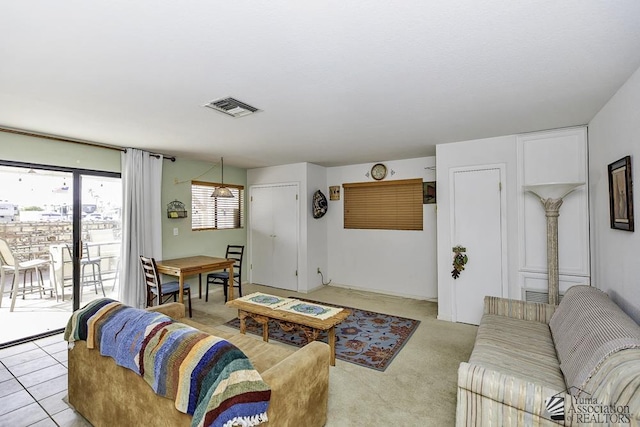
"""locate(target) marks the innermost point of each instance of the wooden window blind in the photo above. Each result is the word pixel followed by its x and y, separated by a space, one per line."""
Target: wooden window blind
pixel 386 205
pixel 211 213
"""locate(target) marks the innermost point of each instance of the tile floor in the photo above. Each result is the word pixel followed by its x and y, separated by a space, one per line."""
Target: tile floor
pixel 33 384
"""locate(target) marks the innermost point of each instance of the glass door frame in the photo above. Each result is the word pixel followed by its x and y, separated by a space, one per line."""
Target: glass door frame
pixel 77 174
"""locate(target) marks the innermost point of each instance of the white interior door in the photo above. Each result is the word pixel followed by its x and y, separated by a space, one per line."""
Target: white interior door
pixel 261 236
pixel 285 237
pixel 274 235
pixel 478 226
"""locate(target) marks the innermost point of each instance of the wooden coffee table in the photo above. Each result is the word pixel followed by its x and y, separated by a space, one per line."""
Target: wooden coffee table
pixel 289 322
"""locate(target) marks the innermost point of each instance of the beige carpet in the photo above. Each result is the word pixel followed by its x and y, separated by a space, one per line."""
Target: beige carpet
pixel 417 389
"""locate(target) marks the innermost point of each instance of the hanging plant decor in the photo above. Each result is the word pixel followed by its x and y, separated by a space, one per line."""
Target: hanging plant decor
pixel 459 260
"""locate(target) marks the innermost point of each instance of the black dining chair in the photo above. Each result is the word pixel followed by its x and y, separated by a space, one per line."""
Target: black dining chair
pixel 157 289
pixel 235 252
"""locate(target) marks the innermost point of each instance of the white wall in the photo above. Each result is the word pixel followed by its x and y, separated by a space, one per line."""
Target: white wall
pixel 317 245
pixel 615 133
pixel 388 261
pixel 392 262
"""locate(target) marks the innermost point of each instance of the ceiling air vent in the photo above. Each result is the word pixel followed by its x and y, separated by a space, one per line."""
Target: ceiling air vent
pixel 231 107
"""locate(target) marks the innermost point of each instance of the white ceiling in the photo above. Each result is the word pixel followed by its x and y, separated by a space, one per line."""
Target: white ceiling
pixel 339 82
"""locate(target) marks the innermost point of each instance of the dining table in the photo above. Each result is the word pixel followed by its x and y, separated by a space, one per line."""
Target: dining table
pixel 192 265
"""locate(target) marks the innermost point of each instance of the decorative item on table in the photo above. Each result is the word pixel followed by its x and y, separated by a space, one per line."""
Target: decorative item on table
pixel 265 300
pixel 621 194
pixel 459 260
pixel 319 204
pixel 311 309
pixel 176 209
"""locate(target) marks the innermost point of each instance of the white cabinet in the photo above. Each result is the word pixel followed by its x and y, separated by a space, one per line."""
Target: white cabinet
pixel 544 157
pixel 274 219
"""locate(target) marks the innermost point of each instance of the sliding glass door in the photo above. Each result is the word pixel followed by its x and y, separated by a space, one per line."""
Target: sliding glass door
pixel 70 220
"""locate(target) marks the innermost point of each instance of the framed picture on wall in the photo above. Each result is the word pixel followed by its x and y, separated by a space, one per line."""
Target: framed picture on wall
pixel 621 194
pixel 428 192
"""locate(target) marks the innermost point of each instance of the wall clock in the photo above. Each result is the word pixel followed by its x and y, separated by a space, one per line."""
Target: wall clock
pixel 378 171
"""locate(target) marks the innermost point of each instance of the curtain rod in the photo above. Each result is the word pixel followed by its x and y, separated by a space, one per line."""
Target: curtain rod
pixel 76 141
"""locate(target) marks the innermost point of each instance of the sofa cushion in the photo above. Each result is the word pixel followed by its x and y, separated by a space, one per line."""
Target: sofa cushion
pixel 520 348
pixel 587 327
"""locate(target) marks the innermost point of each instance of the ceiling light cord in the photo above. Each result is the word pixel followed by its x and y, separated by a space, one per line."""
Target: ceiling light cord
pixel 222 191
pixel 196 177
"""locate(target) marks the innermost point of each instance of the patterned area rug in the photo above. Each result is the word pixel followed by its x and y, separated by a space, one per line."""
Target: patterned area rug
pixel 365 338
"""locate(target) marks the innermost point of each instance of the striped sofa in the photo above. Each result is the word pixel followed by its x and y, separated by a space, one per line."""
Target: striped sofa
pixel 540 365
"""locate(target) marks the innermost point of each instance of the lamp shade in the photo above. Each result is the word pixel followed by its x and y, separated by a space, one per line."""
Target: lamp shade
pixel 221 192
pixel 553 190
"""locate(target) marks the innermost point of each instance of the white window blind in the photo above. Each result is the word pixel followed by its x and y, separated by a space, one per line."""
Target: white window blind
pixel 216 213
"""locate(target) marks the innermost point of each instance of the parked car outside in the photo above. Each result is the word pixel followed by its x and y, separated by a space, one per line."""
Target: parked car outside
pixel 94 217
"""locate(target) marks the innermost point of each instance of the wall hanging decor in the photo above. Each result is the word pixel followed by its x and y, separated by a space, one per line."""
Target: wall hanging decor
pixel 621 194
pixel 459 260
pixel 176 209
pixel 319 204
pixel 334 192
pixel 429 192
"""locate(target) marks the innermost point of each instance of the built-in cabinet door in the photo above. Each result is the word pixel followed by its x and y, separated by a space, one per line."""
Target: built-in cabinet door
pixel 477 205
pixel 544 157
pixel 274 235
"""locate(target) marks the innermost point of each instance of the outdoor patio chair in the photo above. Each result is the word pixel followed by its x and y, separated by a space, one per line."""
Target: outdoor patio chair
pixel 94 262
pixel 8 263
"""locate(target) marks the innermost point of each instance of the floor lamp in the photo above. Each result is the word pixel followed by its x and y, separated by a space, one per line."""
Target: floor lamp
pixel 551 196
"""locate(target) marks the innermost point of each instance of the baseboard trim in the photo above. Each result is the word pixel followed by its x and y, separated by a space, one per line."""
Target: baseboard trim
pixel 377 291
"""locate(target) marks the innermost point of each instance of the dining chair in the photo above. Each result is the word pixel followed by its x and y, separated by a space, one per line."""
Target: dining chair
pixel 8 263
pixel 235 252
pixel 157 289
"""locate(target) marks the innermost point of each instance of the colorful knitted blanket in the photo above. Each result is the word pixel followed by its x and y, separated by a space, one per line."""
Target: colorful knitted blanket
pixel 208 377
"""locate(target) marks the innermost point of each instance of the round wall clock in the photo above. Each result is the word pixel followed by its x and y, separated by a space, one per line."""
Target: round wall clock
pixel 378 171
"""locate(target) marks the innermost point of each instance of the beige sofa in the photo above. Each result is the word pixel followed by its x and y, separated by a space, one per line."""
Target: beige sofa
pixel 531 359
pixel 107 394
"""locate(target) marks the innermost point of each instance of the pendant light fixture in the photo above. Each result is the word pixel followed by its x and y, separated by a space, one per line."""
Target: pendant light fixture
pixel 222 191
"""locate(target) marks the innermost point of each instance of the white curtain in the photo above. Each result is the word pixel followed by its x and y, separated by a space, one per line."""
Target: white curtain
pixel 141 221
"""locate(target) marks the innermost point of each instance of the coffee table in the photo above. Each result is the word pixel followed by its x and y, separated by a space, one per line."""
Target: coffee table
pixel 289 322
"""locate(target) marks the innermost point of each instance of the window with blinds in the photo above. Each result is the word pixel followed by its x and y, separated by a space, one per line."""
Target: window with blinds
pixel 385 205
pixel 216 213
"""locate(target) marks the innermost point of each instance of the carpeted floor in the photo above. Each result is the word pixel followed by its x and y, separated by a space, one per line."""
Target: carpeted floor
pixel 366 338
pixel 417 389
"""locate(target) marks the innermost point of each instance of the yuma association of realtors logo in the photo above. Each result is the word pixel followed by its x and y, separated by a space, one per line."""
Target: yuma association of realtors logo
pixel 585 409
